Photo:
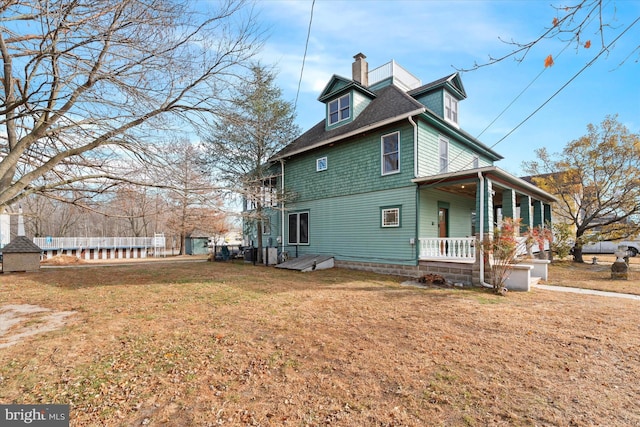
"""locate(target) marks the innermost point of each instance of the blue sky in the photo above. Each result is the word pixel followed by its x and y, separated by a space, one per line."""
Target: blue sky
pixel 433 38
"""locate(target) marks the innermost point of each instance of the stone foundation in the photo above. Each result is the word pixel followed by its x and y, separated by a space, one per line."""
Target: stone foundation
pixel 392 269
pixel 453 272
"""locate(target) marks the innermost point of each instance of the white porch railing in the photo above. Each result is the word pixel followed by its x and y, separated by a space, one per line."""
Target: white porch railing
pixel 454 249
pixel 96 242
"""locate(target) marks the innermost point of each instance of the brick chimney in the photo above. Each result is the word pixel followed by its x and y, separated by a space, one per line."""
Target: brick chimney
pixel 360 70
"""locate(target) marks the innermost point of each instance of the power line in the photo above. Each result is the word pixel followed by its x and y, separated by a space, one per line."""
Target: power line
pixel 521 92
pixel 603 50
pixel 306 45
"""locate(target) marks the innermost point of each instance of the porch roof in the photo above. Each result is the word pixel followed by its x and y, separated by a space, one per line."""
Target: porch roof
pixel 492 172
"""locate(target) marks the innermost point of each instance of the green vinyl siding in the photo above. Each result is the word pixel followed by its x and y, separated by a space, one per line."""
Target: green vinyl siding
pixel 354 167
pixel 460 210
pixel 433 101
pixel 348 227
pixel 460 156
pixel 360 102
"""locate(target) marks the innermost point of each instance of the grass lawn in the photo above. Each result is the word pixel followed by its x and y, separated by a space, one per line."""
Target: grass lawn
pixel 595 276
pixel 204 344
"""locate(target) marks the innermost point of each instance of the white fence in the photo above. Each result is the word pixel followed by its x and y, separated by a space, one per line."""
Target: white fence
pixel 458 249
pixel 49 243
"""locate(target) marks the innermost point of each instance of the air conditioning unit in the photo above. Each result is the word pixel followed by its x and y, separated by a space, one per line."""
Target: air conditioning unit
pixel 270 256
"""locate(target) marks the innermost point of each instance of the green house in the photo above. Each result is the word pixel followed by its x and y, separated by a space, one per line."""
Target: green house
pixel 389 181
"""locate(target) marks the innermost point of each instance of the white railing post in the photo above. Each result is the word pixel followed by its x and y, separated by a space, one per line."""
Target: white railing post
pixel 456 249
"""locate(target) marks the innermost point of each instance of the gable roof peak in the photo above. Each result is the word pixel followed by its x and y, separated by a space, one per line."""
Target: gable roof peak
pixel 338 85
pixel 452 82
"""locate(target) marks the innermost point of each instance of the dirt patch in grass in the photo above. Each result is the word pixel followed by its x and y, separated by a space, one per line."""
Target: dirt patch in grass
pixel 232 344
pixel 62 260
pixel 18 322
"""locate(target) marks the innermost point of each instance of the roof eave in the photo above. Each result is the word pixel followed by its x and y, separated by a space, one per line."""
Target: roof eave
pixel 352 133
pixel 488 171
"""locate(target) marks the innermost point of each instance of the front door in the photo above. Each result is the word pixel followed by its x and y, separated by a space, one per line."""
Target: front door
pixel 443 228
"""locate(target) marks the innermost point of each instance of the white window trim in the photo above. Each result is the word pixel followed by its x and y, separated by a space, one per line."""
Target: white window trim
pixel 446 141
pixel 454 102
pixel 395 225
pixel 382 153
pixel 319 161
pixel 337 100
pixel 297 242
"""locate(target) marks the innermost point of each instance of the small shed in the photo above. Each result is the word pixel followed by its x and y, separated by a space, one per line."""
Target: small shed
pixel 196 245
pixel 21 254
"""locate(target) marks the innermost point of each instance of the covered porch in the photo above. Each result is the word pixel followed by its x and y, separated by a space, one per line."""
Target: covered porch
pixel 456 208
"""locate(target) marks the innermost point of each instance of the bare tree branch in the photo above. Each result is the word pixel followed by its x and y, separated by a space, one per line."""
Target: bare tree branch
pixel 91 84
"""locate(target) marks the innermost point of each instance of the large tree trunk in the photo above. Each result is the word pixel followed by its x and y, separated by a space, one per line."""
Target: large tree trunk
pixel 577 253
pixel 259 240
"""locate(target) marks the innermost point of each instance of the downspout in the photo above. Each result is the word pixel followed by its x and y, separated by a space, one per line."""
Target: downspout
pixel 481 234
pixel 282 207
pixel 415 175
pixel 415 147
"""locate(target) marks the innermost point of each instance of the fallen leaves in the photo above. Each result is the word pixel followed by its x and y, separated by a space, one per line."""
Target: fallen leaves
pixel 336 347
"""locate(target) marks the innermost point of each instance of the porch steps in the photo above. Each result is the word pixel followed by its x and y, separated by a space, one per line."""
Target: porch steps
pixel 534 280
pixel 306 263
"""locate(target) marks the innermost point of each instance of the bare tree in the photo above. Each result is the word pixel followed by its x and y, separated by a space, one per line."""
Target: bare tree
pixel 136 207
pixel 88 85
pixel 576 25
pixel 194 200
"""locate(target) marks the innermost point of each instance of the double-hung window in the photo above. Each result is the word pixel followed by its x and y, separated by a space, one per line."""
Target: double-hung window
pixel 299 228
pixel 340 109
pixel 450 108
pixel 391 153
pixel 444 155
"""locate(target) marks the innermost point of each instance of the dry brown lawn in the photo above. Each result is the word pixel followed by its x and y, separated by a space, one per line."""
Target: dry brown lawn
pixel 595 276
pixel 205 344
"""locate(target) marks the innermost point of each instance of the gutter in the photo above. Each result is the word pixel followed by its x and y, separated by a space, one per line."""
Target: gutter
pixel 353 133
pixel 415 146
pixel 282 207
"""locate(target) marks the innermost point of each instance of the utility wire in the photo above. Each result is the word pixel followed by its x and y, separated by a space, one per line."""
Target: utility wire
pixel 603 50
pixel 305 54
pixel 521 93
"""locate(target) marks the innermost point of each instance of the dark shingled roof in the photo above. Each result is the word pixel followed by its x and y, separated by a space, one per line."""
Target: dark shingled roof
pixel 441 82
pixel 390 102
pixel 21 244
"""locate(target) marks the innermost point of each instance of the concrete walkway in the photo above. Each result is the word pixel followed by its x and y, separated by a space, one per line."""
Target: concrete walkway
pixel 586 291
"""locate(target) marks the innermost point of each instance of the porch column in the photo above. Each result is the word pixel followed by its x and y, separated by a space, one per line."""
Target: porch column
pixel 538 213
pixel 525 212
pixel 508 204
pixel 547 214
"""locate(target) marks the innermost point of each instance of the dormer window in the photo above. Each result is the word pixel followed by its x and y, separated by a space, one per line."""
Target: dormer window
pixel 450 108
pixel 340 109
